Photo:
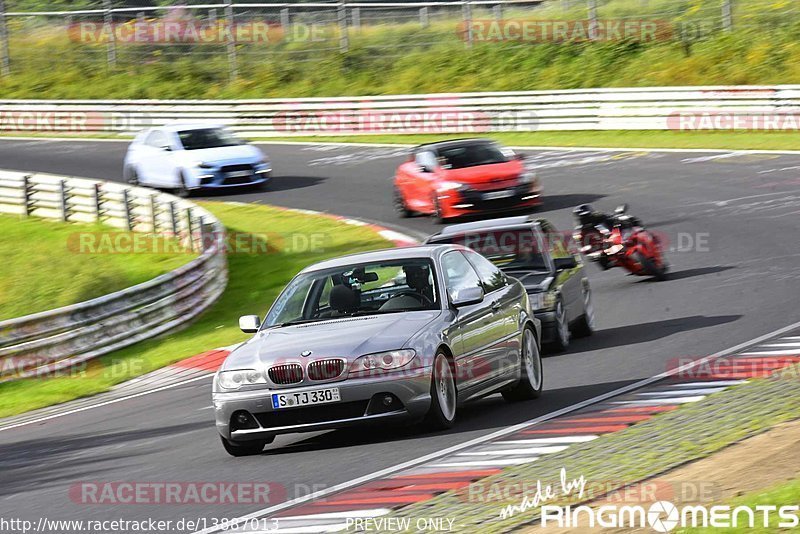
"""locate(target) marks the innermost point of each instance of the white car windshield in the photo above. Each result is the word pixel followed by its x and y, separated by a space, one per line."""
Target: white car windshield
pixel 354 290
pixel 207 138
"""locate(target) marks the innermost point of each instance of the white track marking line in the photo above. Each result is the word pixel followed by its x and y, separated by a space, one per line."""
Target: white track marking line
pixel 488 463
pixel 510 430
pixel 374 512
pixel 545 441
pixel 675 400
pixel 768 353
pixel 515 452
pixel 105 403
pixel 688 392
pixel 786 345
pixel 720 383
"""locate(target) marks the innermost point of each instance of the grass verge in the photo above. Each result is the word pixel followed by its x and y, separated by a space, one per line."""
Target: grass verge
pixel 254 281
pixel 42 269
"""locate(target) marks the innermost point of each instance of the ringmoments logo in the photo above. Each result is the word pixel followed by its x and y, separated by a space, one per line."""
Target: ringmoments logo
pixel 664 516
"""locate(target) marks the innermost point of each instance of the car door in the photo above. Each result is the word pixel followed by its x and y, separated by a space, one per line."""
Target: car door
pixel 473 369
pixel 156 167
pixel 568 271
pixel 503 330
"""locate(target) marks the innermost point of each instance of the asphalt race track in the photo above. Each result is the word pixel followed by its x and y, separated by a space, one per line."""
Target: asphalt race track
pixel 732 221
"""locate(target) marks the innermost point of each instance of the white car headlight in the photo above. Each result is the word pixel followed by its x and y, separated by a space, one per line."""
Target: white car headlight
pixel 239 378
pixel 393 359
pixel 613 249
pixel 450 186
pixel 527 177
pixel 542 301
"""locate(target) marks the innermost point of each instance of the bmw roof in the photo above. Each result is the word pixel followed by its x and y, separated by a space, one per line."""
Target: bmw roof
pixel 491 224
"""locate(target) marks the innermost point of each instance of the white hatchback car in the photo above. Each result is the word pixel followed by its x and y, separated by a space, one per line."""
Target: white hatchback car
pixel 194 156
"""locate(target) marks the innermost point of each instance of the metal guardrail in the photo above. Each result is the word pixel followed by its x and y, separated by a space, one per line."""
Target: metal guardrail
pixel 658 108
pixel 48 342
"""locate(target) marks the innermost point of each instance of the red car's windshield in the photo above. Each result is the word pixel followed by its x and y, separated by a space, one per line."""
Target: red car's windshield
pixel 471 155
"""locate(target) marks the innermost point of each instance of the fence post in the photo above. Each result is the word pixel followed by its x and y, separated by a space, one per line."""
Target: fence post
pixel 356 18
pixel 111 46
pixel 154 213
pixel 98 201
pixel 126 206
pixel 592 19
pixel 466 13
pixel 173 217
pixel 26 194
pixel 230 20
pixel 285 20
pixel 727 15
pixel 341 15
pixel 424 18
pixel 212 17
pixel 497 11
pixel 189 228
pixel 5 61
pixel 64 199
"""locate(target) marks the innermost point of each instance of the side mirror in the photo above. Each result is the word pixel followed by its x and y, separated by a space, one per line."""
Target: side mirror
pixel 426 168
pixel 562 264
pixel 466 296
pixel 166 148
pixel 519 157
pixel 619 210
pixel 249 324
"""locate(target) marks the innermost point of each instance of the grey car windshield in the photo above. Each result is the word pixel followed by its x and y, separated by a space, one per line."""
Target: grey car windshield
pixel 359 289
pixel 471 155
pixel 207 138
pixel 508 249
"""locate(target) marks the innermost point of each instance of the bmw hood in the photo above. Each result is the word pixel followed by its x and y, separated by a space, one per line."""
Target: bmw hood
pixel 347 337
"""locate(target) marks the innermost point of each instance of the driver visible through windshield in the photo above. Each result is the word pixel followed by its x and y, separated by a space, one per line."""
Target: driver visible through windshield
pixel 355 290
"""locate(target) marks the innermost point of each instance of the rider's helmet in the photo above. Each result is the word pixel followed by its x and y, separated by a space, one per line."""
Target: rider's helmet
pixel 583 213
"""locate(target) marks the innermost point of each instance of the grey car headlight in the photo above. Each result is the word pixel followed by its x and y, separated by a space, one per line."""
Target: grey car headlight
pixel 393 359
pixel 239 378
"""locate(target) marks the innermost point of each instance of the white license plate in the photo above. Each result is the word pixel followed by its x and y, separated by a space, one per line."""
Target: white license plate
pixel 238 174
pixel 305 398
pixel 494 195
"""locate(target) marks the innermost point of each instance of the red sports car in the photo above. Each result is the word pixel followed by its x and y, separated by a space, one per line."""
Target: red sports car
pixel 462 177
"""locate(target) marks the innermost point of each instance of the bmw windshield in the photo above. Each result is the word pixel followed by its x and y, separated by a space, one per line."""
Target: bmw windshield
pixel 508 249
pixel 354 290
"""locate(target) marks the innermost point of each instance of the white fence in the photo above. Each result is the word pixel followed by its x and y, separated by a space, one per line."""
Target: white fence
pixel 660 108
pixel 51 341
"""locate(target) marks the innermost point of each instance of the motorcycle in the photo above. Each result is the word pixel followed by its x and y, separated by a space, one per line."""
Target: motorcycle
pixel 626 243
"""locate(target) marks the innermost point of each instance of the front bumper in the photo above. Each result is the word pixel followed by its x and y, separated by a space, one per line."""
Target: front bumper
pixel 549 325
pixel 459 203
pixel 410 390
pixel 217 179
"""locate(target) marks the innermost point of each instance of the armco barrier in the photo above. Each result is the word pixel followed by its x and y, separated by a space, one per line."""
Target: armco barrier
pixel 47 342
pixel 657 108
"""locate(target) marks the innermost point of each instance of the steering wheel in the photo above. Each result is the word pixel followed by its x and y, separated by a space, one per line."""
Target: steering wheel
pixel 411 293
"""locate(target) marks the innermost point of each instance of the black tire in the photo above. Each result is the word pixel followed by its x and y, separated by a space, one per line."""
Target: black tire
pixel 400 205
pixel 182 191
pixel 659 273
pixel 529 387
pixel 584 326
pixel 560 342
pixel 131 176
pixel 245 448
pixel 442 413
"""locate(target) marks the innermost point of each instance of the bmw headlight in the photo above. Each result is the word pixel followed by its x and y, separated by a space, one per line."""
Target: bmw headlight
pixel 239 378
pixel 542 301
pixel 393 359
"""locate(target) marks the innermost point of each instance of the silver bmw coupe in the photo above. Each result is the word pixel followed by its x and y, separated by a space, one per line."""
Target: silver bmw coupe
pixel 409 333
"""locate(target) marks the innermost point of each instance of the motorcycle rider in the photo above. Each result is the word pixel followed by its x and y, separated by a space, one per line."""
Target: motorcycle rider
pixel 589 223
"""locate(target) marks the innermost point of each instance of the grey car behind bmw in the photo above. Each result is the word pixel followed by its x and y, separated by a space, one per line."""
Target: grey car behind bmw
pixel 399 334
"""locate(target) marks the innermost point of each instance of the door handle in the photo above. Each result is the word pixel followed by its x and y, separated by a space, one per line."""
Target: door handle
pixel 496 306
